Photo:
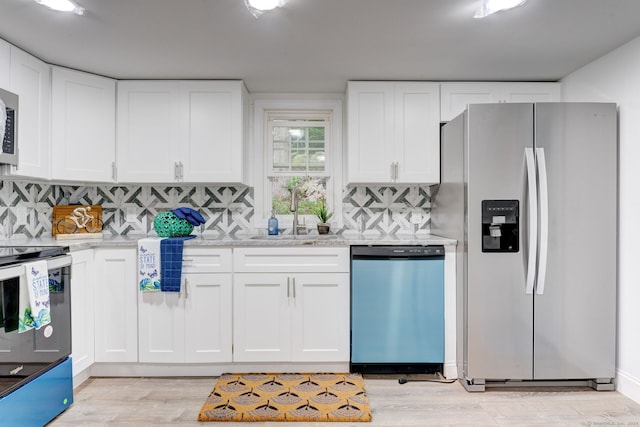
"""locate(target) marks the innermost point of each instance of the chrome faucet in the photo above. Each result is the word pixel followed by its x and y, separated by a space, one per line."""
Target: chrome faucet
pixel 294 209
pixel 297 227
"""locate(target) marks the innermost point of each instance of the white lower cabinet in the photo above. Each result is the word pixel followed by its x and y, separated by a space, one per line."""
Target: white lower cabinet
pixel 297 315
pixel 259 305
pixel 194 325
pixel 82 310
pixel 207 315
pixel 320 317
pixel 116 305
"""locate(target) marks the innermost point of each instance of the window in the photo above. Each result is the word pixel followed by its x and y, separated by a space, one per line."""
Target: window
pixel 298 159
pixel 297 146
pixel 296 142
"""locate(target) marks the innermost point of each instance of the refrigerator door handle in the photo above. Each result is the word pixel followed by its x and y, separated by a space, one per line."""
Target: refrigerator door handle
pixel 544 219
pixel 533 219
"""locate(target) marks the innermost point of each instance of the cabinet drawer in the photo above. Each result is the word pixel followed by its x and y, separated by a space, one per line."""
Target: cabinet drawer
pixel 291 260
pixel 206 260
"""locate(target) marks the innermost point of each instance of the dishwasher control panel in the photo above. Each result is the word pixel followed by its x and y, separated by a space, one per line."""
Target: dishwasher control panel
pixel 391 251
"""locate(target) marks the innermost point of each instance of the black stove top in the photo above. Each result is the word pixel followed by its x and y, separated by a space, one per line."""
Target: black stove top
pixel 10 255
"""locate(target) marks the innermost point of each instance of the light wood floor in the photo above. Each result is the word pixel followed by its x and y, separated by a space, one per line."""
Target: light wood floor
pixel 143 402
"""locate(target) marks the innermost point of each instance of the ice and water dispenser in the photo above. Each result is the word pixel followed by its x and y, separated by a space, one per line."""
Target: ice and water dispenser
pixel 500 225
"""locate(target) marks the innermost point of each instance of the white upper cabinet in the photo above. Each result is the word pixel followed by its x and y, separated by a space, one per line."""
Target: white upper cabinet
pixel 31 80
pixel 456 96
pixel 393 132
pixel 215 114
pixel 181 131
pixel 147 137
pixel 83 126
pixel 5 64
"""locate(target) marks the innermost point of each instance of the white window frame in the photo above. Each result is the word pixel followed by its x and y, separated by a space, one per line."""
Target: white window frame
pixel 261 184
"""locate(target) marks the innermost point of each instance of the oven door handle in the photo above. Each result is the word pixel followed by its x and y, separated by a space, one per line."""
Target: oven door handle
pixel 58 262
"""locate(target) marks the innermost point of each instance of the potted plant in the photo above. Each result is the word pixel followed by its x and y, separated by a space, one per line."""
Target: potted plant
pixel 323 215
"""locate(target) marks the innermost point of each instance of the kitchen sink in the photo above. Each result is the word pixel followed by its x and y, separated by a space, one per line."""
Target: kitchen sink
pixel 297 237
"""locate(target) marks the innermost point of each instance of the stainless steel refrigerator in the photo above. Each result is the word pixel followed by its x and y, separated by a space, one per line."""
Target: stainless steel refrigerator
pixel 530 193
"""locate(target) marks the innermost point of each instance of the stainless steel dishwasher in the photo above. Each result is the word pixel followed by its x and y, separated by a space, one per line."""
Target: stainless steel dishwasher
pixel 397 309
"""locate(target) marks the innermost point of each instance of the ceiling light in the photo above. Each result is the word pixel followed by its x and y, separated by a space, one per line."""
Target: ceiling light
pixel 492 6
pixel 62 5
pixel 258 7
pixel 264 4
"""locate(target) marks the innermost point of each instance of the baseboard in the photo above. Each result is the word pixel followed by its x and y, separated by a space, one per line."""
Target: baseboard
pixel 81 377
pixel 450 370
pixel 207 370
pixel 628 385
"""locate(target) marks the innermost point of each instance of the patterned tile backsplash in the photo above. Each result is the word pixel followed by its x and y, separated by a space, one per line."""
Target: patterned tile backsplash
pixel 26 207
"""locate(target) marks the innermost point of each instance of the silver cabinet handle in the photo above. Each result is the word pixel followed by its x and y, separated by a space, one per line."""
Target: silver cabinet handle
pixel 394 171
pixel 181 171
pixel 288 287
pixel 176 171
pixel 294 287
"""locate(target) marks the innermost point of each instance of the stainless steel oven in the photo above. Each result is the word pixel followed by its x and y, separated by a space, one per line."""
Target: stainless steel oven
pixel 35 366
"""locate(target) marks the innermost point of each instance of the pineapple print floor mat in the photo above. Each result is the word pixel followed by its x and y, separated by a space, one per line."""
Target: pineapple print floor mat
pixel 287 397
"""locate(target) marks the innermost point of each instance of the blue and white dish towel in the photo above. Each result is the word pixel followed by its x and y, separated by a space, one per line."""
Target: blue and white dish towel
pixel 149 264
pixel 34 303
pixel 171 263
pixel 160 263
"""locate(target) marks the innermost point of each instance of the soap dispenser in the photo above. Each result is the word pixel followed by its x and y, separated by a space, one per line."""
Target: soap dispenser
pixel 272 225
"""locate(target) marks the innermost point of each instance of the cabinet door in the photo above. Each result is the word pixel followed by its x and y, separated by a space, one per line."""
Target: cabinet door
pixel 456 96
pixel 5 64
pixel 206 259
pixel 261 318
pixel 208 319
pixel 148 134
pixel 291 260
pixel 116 311
pixel 530 92
pixel 212 143
pixel 83 126
pixel 417 132
pixel 161 327
pixel 320 325
pixel 31 80
pixel 82 310
pixel 370 132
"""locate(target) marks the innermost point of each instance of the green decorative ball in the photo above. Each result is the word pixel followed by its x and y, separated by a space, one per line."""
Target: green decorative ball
pixel 167 224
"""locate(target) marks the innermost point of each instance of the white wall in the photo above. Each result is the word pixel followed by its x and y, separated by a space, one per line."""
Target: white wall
pixel 616 78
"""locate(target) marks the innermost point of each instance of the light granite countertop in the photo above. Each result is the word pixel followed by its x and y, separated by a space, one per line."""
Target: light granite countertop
pixel 245 240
